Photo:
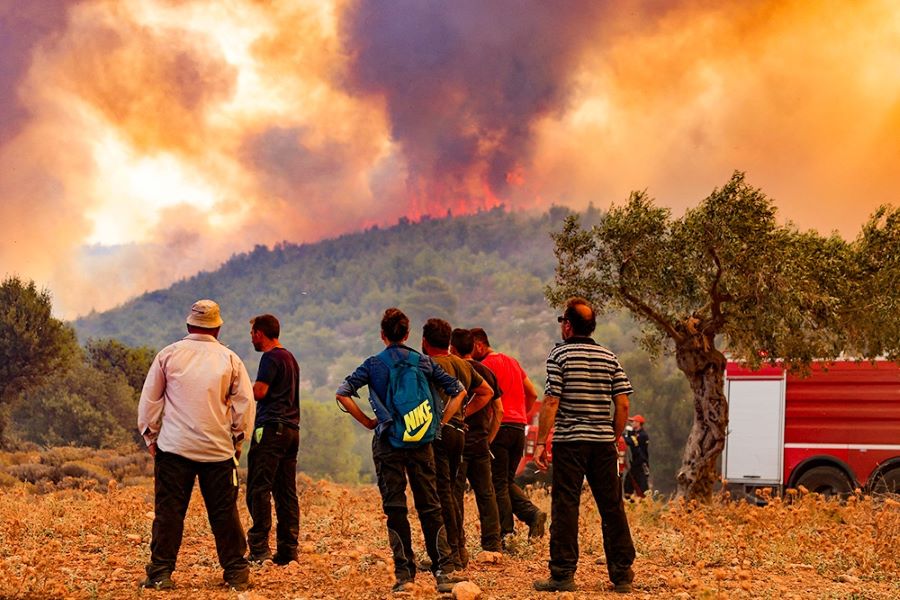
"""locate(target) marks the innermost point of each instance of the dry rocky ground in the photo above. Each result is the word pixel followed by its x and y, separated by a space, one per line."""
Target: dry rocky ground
pixel 90 543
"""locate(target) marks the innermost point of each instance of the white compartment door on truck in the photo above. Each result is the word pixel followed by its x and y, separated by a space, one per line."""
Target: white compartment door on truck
pixel 754 448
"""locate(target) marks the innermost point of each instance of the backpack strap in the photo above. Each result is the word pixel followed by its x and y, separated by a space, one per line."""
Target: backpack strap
pixel 386 357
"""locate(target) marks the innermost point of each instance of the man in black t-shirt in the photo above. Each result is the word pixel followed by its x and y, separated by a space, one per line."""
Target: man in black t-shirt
pixel 482 424
pixel 272 460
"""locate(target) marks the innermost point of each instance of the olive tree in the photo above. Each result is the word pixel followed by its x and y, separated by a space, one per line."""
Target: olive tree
pixel 725 276
pixel 33 344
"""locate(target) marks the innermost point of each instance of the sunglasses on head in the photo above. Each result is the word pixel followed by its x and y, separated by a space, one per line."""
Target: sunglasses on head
pixel 561 319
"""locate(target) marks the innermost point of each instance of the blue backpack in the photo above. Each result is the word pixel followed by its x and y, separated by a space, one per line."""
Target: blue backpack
pixel 415 421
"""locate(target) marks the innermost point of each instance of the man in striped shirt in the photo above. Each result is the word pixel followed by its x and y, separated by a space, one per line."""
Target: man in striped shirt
pixel 586 399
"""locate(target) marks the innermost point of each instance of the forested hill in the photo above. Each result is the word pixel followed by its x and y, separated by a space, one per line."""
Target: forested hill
pixel 487 269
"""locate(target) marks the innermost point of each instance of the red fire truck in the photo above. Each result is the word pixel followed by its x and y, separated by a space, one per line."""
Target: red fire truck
pixel 833 431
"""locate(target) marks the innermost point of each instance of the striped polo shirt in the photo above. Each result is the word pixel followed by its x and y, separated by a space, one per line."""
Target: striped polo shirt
pixel 585 377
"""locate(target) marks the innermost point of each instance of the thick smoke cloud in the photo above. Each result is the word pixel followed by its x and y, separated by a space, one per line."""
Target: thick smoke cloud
pixel 464 83
pixel 23 25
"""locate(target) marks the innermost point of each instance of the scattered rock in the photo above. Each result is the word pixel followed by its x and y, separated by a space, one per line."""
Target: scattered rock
pixel 488 557
pixel 342 572
pixel 133 537
pixel 848 579
pixel 150 515
pixel 466 590
pixel 308 548
pixel 567 596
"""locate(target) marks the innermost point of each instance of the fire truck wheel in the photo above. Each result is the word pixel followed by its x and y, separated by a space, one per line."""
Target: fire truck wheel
pixel 888 483
pixel 828 481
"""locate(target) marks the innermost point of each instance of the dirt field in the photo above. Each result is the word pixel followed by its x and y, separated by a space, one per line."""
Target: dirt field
pixel 89 544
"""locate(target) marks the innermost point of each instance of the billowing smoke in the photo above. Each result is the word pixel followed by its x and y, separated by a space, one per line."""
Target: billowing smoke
pixel 144 140
pixel 465 82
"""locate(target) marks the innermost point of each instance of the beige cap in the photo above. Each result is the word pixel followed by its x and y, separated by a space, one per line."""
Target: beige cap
pixel 205 313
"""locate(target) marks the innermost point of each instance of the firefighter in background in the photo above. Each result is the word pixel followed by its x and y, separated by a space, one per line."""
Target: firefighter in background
pixel 638 441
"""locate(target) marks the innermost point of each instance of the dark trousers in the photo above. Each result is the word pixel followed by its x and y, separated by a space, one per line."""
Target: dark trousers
pixel 476 467
pixel 392 468
pixel 636 479
pixel 507 449
pixel 598 461
pixel 447 456
pixel 173 482
pixel 272 472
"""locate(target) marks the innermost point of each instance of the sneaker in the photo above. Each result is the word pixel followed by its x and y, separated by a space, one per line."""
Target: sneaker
pixel 161 582
pixel 538 527
pixel 405 585
pixel 555 585
pixel 624 587
pixel 446 581
pixel 283 559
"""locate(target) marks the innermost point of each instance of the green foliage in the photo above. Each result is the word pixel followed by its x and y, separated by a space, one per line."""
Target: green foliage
pixel 326 443
pixel 33 344
pixel 113 357
pixel 725 268
pixel 872 316
pixel 83 406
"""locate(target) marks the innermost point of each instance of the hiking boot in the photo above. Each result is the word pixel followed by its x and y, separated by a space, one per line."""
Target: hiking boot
pixel 258 558
pixel 403 585
pixel 463 559
pixel 283 559
pixel 555 585
pixel 623 587
pixel 538 526
pixel 424 565
pixel 446 581
pixel 160 582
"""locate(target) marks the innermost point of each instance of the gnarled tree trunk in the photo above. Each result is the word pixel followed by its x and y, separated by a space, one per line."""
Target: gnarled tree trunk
pixel 704 367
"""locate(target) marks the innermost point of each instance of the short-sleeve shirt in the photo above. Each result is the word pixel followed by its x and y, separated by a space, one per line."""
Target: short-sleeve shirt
pixel 462 370
pixel 479 423
pixel 281 404
pixel 511 378
pixel 585 377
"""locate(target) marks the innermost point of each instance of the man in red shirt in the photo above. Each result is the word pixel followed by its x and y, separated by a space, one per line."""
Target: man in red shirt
pixel 519 395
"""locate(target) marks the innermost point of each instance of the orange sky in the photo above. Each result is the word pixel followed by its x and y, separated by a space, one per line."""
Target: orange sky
pixel 144 140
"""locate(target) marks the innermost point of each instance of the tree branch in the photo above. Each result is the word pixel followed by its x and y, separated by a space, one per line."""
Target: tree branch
pixel 638 306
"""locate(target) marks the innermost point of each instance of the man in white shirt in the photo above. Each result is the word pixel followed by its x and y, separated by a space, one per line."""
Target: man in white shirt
pixel 194 413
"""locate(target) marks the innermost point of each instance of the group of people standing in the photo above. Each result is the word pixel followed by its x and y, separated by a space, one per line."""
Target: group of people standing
pixel 196 408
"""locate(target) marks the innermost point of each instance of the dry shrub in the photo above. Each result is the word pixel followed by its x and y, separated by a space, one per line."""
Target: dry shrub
pixel 80 469
pixel 34 472
pixel 136 464
pixel 19 458
pixel 62 454
pixel 7 480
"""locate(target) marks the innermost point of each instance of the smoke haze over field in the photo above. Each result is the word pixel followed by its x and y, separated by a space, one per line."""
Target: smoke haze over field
pixel 144 140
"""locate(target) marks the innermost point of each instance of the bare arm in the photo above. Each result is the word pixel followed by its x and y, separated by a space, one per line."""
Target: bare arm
pixel 453 407
pixel 356 412
pixel 547 419
pixel 260 389
pixel 481 398
pixel 621 416
pixel 530 394
pixel 494 427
